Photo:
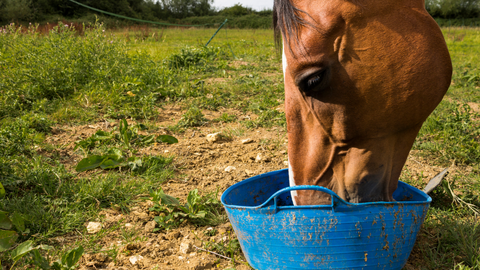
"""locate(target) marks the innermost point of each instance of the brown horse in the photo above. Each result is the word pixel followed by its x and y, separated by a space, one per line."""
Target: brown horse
pixel 361 76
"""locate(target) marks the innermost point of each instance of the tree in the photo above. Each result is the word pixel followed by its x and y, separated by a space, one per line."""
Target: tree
pixel 16 10
pixel 236 11
pixel 187 8
pixel 453 8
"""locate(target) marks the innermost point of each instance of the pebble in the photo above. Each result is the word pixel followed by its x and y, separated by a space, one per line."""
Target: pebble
pixel 249 172
pixel 150 226
pixel 128 225
pixel 262 158
pixel 134 259
pixel 230 168
pixel 285 163
pixel 186 246
pixel 94 227
pixel 247 141
pixel 211 138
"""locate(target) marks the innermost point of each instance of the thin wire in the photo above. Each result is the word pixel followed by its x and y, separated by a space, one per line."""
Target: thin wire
pixel 138 20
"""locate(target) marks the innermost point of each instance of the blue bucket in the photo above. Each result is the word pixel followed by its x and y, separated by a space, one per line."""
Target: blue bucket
pixel 275 234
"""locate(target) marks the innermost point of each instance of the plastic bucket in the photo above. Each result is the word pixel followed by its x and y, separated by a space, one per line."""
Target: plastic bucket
pixel 275 234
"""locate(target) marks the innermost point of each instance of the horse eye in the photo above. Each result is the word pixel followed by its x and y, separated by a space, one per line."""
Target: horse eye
pixel 311 82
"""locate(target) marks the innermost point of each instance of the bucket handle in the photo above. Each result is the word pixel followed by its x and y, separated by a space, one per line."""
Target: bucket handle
pixel 336 200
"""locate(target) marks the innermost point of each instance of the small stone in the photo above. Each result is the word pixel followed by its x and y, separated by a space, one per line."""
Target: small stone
pixel 247 141
pixel 230 168
pixel 129 225
pixel 285 163
pixel 214 137
pixel 94 227
pixel 262 158
pixel 150 226
pixel 249 172
pixel 134 259
pixel 186 246
pixel 166 151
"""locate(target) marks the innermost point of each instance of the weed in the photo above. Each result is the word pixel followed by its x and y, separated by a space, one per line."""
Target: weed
pixel 193 117
pixel 191 56
pixel 451 133
pixel 228 245
pixel 115 157
pixel 226 118
pixel 268 118
pixel 200 210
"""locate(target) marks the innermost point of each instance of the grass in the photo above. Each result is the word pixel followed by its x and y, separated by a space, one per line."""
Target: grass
pixel 63 79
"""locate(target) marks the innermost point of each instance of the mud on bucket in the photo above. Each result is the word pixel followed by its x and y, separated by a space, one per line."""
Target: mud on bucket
pixel 275 234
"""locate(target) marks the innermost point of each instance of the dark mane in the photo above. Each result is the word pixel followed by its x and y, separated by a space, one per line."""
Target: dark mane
pixel 287 22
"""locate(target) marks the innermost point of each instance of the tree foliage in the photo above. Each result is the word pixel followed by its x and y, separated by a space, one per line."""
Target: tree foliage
pixel 40 10
pixel 451 9
pixel 175 10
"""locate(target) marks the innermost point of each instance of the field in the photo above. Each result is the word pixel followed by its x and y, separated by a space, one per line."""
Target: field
pixel 110 128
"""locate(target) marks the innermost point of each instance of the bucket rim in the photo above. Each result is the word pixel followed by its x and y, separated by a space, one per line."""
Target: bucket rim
pixel 335 197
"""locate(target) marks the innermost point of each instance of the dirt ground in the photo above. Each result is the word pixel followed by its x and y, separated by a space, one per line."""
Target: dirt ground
pixel 201 164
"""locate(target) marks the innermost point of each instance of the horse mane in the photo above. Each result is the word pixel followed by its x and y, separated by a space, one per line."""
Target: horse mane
pixel 287 22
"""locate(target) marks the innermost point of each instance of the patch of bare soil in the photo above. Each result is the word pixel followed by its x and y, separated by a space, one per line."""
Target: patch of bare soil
pixel 237 154
pixel 129 242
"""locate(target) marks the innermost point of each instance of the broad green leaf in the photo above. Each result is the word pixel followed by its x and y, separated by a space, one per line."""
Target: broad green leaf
pixel 2 191
pixel 115 154
pixel 56 266
pixel 102 135
pixel 39 260
pixel 22 250
pixel 7 239
pixel 89 163
pixel 192 200
pixel 109 163
pixel 44 247
pixel 71 258
pixel 18 221
pixel 5 222
pixel 167 139
pixel 167 199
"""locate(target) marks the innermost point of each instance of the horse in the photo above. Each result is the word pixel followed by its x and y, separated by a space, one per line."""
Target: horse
pixel 360 76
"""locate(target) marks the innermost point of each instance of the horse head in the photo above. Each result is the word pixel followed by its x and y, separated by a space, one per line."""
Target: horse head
pixel 361 76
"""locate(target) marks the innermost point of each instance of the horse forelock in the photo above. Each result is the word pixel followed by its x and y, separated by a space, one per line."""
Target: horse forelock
pixel 287 21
